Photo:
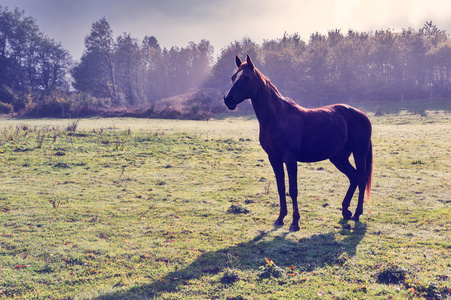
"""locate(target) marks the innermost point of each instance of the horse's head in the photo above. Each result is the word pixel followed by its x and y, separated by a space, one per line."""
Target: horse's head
pixel 243 83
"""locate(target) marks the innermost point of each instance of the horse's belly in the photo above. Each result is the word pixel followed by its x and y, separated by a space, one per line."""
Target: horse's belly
pixel 321 143
pixel 314 157
pixel 320 150
pixel 315 153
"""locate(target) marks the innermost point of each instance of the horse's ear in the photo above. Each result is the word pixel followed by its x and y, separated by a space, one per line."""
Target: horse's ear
pixel 238 61
pixel 249 61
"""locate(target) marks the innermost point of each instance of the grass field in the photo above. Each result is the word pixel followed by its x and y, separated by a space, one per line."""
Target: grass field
pixel 161 209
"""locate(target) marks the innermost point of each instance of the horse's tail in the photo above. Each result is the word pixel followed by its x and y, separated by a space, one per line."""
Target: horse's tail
pixel 369 171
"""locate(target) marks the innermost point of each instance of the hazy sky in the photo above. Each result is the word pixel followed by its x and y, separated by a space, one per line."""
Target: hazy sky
pixel 176 22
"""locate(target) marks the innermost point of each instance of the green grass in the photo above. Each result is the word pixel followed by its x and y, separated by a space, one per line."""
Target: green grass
pixel 144 209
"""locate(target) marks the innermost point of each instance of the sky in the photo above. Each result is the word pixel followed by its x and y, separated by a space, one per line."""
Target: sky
pixel 177 22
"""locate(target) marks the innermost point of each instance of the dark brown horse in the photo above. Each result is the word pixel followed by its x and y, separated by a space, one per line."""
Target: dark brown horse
pixel 290 133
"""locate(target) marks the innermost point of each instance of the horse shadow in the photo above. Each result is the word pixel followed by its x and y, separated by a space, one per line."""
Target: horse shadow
pixel 307 254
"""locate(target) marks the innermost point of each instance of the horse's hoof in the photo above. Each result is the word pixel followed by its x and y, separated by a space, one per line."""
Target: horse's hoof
pixel 343 222
pixel 294 228
pixel 347 215
pixel 278 223
pixel 355 218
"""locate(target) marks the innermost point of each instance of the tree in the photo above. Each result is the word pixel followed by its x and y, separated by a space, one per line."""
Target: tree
pixel 30 62
pixel 348 65
pixel 95 73
pixel 440 58
pixel 54 64
pixel 225 66
pixel 19 37
pixel 150 42
pixel 200 62
pixel 385 67
pixel 284 65
pixel 317 69
pixel 188 67
pixel 128 68
pixel 155 77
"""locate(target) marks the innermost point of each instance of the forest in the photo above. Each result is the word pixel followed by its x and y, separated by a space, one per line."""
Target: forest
pixel 38 77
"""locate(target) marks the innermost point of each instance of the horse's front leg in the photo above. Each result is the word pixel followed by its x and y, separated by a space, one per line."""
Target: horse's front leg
pixel 277 166
pixel 292 169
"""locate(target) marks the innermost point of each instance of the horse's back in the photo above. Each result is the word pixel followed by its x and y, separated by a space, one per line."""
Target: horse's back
pixel 312 135
pixel 346 119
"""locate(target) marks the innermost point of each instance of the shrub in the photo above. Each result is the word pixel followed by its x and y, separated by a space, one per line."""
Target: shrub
pixel 237 209
pixel 230 276
pixel 378 111
pixel 5 108
pixel 270 269
pixel 391 273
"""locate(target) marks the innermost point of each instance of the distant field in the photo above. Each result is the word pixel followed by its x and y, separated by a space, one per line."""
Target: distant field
pixel 225 127
pixel 169 209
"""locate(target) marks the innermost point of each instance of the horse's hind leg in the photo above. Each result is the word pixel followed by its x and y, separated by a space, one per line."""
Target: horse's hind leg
pixel 342 163
pixel 360 161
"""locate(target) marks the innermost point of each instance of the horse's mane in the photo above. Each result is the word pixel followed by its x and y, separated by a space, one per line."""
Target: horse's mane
pixel 274 89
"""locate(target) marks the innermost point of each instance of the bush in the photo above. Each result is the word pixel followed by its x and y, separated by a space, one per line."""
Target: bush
pixel 5 108
pixel 271 270
pixel 55 104
pixel 230 276
pixel 378 111
pixel 392 273
pixel 7 95
pixel 237 209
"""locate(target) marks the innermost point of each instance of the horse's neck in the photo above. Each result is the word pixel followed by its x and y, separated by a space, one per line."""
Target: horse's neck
pixel 267 103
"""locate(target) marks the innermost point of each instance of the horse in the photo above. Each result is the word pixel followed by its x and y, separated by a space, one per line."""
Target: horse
pixel 290 134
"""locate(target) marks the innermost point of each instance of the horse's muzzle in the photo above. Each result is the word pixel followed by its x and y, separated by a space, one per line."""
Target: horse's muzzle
pixel 227 102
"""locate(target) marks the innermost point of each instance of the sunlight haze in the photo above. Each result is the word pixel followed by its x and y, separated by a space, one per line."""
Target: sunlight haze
pixel 176 23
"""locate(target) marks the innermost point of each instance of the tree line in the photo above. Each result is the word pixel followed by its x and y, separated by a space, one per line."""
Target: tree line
pixel 38 76
pixel 31 63
pixel 356 66
pixel 131 72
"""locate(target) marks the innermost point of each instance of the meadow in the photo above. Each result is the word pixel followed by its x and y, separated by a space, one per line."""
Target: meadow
pixel 169 209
